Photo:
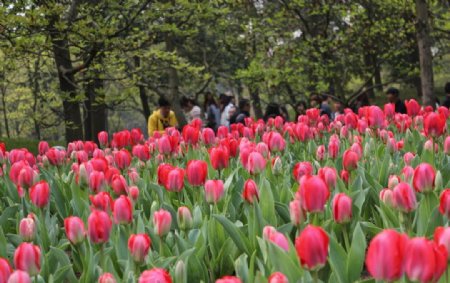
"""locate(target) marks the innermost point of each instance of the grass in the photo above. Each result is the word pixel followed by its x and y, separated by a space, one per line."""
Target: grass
pixel 31 145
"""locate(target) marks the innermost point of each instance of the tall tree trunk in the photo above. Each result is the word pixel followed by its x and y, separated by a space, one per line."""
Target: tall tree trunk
pixel 72 113
pixel 98 109
pixel 173 85
pixel 426 59
pixel 5 116
pixel 377 71
pixel 256 102
pixel 87 119
pixel 142 90
pixel 35 87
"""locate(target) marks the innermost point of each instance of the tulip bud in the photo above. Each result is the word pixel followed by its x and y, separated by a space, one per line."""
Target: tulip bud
pixel 447 145
pixel 442 237
pixel 5 268
pixel 107 278
pixel 424 176
pixel 350 160
pixel 184 218
pixel 123 210
pixel 256 163
pixel 342 208
pixel 312 247
pixel 19 276
pixel 279 239
pixel 214 190
pixel 314 194
pixel 155 275
pixel 99 226
pixel 320 152
pixel 229 279
pixel 197 217
pixel 393 181
pixel 27 257
pixel 387 196
pixel 404 197
pixel 251 191
pixel 139 246
pixel 438 182
pixel 298 215
pixel 278 277
pixel 162 220
pixel 75 231
pixel 444 203
pixel 277 166
pixel 134 193
pixel 40 194
pixel 196 171
pixel 27 228
pixel 180 271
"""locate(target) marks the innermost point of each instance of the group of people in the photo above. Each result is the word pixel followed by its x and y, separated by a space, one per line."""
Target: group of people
pixel 225 112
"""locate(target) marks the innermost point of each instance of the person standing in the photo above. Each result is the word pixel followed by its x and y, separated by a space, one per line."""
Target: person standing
pixel 446 102
pixel 228 109
pixel 242 113
pixel 191 109
pixel 212 112
pixel 162 118
pixel 393 96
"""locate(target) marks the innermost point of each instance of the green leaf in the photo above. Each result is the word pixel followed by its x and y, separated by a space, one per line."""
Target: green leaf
pixel 338 259
pixel 355 260
pixel 283 263
pixel 236 235
pixel 9 212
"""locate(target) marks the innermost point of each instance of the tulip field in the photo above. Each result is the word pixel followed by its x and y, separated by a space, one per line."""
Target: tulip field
pixel 363 198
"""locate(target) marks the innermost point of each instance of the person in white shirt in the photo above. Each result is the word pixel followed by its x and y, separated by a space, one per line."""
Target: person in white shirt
pixel 228 109
pixel 191 109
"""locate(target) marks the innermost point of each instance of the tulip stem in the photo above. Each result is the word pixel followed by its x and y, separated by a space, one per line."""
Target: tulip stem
pixel 160 246
pixel 315 276
pixel 402 221
pixel 102 257
pixel 346 239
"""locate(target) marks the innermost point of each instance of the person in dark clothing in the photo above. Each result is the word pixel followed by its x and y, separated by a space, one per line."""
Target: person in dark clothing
pixel 272 111
pixel 393 97
pixel 446 102
pixel 300 108
pixel 316 102
pixel 242 113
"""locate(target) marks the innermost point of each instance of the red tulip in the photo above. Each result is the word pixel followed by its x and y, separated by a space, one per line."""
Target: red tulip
pixel 407 173
pixel 329 176
pixel 163 172
pixel 122 159
pixel 434 124
pixel 141 151
pixel 320 152
pixel 164 145
pixel 175 180
pixel 276 142
pixel 444 203
pixel 99 226
pixel 302 169
pixel 408 157
pixel 229 279
pixel 412 107
pixel 219 157
pixel 314 194
pixel 133 176
pixel 97 182
pixel 389 110
pixel 384 259
pixel 278 277
pixel 43 147
pixel 27 257
pixel 119 184
pixel 261 148
pixel 279 239
pixel 121 139
pixel 5 270
pixel 442 237
pixel 107 278
pixel 213 190
pixel 123 210
pixel 22 174
pixel 350 160
pixel 208 136
pixel 103 138
pixel 342 208
pixel 312 247
pixel 27 228
pixel 134 193
pixel 184 218
pixel 447 145
pixel 155 275
pixel 297 213
pixel 404 197
pixel 75 231
pixel 424 261
pixel 136 135
pixel 102 201
pixel 196 172
pixel 424 175
pixel 256 163
pixel 333 149
pixel 19 276
pixel 40 194
pixel 139 245
pixel 162 220
pixel 55 156
pixel 375 117
pixel 251 191
pixel 191 134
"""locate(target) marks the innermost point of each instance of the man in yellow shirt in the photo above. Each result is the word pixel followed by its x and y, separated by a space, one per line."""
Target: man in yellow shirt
pixel 161 118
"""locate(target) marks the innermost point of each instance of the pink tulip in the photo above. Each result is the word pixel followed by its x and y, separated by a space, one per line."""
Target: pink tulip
pixel 278 277
pixel 5 270
pixel 155 275
pixel 256 163
pixel 19 276
pixel 162 220
pixel 27 228
pixel 279 239
pixel 424 176
pixel 251 191
pixel 139 246
pixel 103 138
pixel 119 184
pixel 342 208
pixel 123 210
pixel 184 218
pixel 99 226
pixel 40 194
pixel 213 190
pixel 404 197
pixel 196 172
pixel 314 194
pixel 27 257
pixel 75 231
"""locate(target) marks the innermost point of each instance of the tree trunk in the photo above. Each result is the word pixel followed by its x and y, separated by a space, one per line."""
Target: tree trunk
pixel 87 119
pixel 142 91
pixel 98 109
pixel 377 70
pixel 34 80
pixel 5 116
pixel 426 59
pixel 173 85
pixel 72 113
pixel 256 102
